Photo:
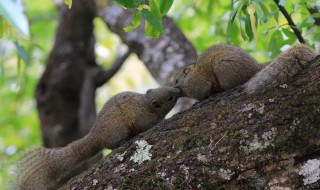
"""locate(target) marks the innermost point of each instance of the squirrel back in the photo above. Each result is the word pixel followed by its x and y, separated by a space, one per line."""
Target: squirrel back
pixel 222 67
pixel 123 116
pixel 219 68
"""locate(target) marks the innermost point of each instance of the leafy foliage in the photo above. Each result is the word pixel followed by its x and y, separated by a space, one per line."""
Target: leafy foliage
pixel 152 13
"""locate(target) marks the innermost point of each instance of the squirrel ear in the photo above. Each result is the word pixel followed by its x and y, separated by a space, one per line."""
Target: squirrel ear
pixel 156 104
pixel 186 70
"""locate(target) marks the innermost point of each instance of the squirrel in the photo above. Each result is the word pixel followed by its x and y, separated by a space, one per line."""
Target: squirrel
pixel 224 66
pixel 123 116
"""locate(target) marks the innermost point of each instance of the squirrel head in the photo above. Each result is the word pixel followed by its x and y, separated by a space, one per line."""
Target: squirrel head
pixel 192 83
pixel 162 99
pixel 181 79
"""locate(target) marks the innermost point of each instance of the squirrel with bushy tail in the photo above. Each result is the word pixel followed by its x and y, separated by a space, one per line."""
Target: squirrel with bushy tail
pixel 123 116
pixel 222 67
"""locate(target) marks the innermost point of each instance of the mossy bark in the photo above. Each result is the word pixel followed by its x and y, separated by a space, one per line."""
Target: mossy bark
pixel 232 140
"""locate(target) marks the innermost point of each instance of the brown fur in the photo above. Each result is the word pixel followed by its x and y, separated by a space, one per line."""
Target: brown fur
pixel 224 66
pixel 42 167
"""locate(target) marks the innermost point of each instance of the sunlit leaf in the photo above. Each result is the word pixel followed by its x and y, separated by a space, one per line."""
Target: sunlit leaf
pixel 22 53
pixel 153 25
pixel 136 20
pixel 13 12
pixel 69 3
pixel 164 6
pixel 251 11
pixel 131 4
pixel 153 20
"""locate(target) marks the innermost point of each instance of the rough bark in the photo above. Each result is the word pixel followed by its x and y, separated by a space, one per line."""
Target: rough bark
pixel 230 141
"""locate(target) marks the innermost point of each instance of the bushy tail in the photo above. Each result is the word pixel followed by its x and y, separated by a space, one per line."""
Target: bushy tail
pixel 42 168
pixel 38 169
pixel 282 68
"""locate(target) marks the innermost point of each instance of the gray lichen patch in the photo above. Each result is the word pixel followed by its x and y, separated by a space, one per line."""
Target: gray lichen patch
pixel 311 171
pixel 257 143
pixel 142 153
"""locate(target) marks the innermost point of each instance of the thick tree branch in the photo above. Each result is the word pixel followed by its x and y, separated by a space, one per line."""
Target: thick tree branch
pixel 290 22
pixel 232 140
pixel 162 56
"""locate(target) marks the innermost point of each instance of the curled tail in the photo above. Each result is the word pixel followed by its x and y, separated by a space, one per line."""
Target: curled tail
pixel 42 168
pixel 280 69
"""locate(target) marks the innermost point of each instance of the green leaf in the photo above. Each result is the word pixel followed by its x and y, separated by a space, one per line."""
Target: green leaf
pixel 22 53
pixel 151 31
pixel 274 43
pixel 136 20
pixel 243 35
pixel 262 14
pixel 235 11
pixel 153 19
pixel 233 15
pixel 130 4
pixel 153 24
pixel 155 8
pixel 69 3
pixel 165 5
pixel 248 28
pixel 288 33
pixel 274 12
pixel 13 12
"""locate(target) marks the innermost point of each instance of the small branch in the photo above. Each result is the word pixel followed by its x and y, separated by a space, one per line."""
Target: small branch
pixel 313 11
pixel 290 21
pixel 102 76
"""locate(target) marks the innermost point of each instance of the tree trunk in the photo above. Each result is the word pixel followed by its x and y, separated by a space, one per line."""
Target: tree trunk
pixel 65 94
pixel 61 88
pixel 230 141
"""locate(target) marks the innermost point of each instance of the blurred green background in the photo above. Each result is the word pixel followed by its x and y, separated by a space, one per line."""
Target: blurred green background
pixel 203 22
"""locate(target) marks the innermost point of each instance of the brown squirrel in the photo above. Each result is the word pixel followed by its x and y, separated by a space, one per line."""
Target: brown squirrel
pixel 123 116
pixel 223 66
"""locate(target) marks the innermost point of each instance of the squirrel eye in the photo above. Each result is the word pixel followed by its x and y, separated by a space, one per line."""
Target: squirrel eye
pixel 170 98
pixel 177 80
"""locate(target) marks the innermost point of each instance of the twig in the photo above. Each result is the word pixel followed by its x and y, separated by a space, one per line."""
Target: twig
pixel 220 139
pixel 290 21
pixel 102 76
pixel 313 11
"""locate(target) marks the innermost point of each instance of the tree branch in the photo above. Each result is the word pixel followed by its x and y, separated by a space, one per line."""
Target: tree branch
pixel 290 22
pixel 102 76
pixel 313 11
pixel 232 140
